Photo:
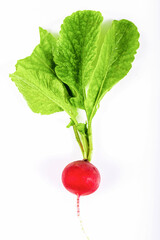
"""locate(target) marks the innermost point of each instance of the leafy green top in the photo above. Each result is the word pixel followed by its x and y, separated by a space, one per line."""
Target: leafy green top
pixel 76 51
pixel 114 62
pixel 36 79
pixel 75 72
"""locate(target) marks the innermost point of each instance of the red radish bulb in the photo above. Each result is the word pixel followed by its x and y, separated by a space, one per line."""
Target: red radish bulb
pixel 81 177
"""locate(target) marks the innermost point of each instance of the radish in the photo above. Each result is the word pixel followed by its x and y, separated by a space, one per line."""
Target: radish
pixel 72 73
pixel 81 177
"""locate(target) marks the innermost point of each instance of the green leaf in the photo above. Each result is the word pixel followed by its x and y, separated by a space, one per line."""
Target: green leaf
pixel 76 51
pixel 82 128
pixel 116 55
pixel 71 123
pixel 36 79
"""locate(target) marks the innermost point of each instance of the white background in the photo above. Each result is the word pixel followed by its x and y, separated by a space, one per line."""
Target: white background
pixel 34 149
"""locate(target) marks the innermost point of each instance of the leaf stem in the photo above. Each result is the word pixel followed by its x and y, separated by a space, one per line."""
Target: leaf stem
pixel 85 145
pixel 90 143
pixel 78 139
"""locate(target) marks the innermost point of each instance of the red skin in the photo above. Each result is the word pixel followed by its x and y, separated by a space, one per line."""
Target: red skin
pixel 81 177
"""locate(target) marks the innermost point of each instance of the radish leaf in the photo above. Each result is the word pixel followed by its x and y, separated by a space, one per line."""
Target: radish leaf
pixel 71 124
pixel 76 51
pixel 82 128
pixel 36 79
pixel 114 62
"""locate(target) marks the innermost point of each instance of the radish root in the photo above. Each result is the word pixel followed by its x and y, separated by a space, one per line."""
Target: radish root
pixel 80 220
